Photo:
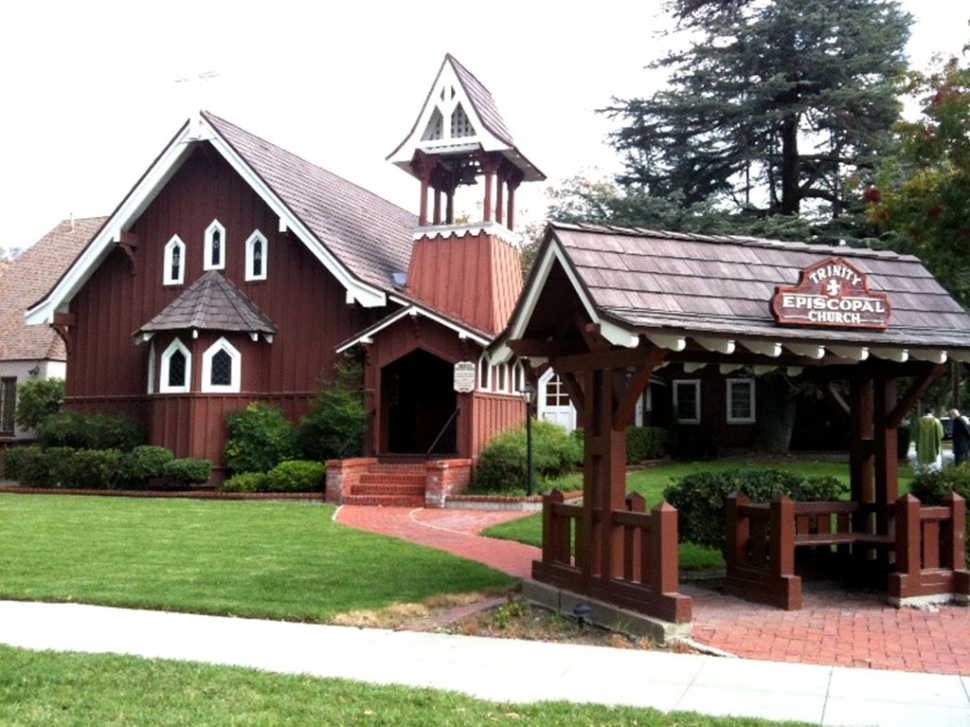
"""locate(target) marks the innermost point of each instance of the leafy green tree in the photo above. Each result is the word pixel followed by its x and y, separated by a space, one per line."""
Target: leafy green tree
pixel 775 108
pixel 921 198
pixel 334 426
pixel 37 399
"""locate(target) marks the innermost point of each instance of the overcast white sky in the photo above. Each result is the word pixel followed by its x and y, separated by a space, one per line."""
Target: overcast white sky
pixel 90 96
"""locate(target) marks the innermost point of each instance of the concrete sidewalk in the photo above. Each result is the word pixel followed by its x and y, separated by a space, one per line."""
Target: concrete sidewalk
pixel 503 670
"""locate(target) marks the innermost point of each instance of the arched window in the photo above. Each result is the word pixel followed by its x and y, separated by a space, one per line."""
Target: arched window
pixel 221 368
pixel 257 247
pixel 176 368
pixel 484 374
pixel 174 262
pixel 215 247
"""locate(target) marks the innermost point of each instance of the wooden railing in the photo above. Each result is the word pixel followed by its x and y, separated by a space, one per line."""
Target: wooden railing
pixel 931 557
pixel 762 539
pixel 643 569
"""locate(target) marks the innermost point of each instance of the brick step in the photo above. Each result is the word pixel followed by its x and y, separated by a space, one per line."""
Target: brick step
pixel 384 501
pixel 392 478
pixel 415 469
pixel 394 489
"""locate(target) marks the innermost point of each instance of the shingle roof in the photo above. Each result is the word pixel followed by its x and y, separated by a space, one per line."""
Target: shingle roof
pixel 648 280
pixel 482 99
pixel 211 303
pixel 369 235
pixel 29 277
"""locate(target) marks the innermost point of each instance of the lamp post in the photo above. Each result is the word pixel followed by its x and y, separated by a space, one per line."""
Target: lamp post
pixel 529 393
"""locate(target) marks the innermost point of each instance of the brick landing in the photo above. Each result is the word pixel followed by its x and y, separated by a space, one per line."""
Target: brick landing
pixel 835 627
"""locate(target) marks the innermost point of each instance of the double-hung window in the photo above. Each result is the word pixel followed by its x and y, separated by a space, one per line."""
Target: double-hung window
pixel 740 401
pixel 687 401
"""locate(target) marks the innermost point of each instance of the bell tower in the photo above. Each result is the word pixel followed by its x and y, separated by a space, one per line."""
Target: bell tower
pixel 470 270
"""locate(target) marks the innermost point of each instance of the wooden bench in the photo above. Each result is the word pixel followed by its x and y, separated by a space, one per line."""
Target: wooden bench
pixel 763 538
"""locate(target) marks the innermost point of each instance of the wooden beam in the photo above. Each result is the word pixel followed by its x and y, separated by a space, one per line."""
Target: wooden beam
pixel 618 358
pixel 913 394
pixel 828 388
pixel 536 349
pixel 641 379
pixel 571 384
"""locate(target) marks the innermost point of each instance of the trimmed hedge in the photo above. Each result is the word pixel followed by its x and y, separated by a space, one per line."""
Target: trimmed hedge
pixel 90 431
pixel 643 443
pixel 502 465
pixel 101 469
pixel 700 498
pixel 294 475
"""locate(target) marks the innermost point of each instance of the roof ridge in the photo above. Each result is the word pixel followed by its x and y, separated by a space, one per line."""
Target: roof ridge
pixel 743 240
pixel 209 115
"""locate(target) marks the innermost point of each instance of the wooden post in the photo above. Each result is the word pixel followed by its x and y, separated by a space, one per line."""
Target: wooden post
pixel 861 453
pixel 635 543
pixel 663 528
pixel 500 200
pixel 955 554
pixel 782 537
pixel 908 537
pixel 551 545
pixel 886 456
pixel 737 531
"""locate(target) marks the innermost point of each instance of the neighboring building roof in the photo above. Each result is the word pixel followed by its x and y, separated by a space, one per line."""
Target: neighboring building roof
pixel 27 278
pixel 718 290
pixel 211 303
pixel 453 86
pixel 359 237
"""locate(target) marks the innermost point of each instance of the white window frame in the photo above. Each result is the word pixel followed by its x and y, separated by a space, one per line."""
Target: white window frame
pixel 163 385
pixel 484 374
pixel 730 386
pixel 170 247
pixel 234 385
pixel 696 384
pixel 207 264
pixel 151 368
pixel 257 235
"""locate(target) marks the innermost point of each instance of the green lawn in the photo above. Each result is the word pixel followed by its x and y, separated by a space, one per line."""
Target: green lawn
pixel 260 559
pixel 651 483
pixel 52 689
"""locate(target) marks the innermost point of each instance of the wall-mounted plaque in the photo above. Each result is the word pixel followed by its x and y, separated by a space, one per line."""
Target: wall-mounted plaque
pixel 464 377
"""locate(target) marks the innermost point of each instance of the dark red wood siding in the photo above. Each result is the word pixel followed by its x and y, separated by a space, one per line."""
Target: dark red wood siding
pixel 108 371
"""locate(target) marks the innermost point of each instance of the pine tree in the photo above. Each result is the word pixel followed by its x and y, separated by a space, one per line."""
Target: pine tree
pixel 777 107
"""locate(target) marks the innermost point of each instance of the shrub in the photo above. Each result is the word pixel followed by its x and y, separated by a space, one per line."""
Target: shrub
pixel 55 467
pixel 19 460
pixel 142 464
pixel 643 443
pixel 37 399
pixel 93 468
pixel 296 475
pixel 185 472
pixel 931 487
pixel 245 482
pixel 502 465
pixel 260 437
pixel 90 431
pixel 334 426
pixel 700 498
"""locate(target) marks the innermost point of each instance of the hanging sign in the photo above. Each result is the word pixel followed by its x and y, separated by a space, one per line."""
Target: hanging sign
pixel 464 377
pixel 832 293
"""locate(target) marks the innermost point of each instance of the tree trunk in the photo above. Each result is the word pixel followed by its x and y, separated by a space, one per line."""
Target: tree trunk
pixel 776 414
pixel 789 166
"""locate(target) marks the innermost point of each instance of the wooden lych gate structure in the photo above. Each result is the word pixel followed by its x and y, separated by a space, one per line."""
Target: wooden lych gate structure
pixel 607 308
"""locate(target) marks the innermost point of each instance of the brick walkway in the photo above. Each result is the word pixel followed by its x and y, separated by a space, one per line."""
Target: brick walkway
pixel 834 626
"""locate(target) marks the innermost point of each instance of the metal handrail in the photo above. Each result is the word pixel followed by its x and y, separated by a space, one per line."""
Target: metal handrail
pixel 443 432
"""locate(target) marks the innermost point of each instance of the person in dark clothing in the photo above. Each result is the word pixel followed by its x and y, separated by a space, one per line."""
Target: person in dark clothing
pixel 961 436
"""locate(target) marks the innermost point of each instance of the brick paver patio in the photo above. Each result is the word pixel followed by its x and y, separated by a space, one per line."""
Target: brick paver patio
pixel 834 627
